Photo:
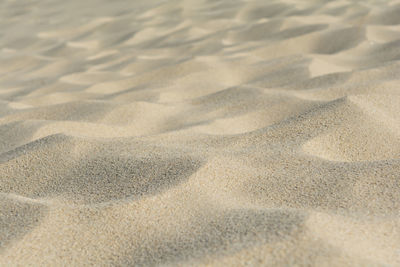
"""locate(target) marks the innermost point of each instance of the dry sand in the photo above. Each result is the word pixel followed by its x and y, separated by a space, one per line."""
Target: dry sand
pixel 200 132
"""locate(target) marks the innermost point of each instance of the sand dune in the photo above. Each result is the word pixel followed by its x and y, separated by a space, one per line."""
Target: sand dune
pixel 183 132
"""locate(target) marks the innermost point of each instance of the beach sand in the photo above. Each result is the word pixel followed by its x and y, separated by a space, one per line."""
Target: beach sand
pixel 199 132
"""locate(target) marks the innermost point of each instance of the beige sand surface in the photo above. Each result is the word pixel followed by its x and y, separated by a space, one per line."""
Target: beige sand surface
pixel 199 132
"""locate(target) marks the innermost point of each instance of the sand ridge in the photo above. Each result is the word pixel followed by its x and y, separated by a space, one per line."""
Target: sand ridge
pixel 185 132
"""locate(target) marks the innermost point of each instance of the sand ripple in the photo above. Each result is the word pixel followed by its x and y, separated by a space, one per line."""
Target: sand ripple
pixel 200 132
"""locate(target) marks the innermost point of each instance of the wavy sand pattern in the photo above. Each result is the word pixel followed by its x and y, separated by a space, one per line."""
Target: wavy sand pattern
pixel 205 132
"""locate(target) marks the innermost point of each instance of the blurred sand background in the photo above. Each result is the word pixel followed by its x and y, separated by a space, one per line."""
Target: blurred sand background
pixel 200 132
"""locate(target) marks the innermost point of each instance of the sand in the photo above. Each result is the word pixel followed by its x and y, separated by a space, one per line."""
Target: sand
pixel 199 132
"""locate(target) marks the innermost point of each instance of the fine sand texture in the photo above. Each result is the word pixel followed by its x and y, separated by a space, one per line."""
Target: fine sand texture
pixel 200 132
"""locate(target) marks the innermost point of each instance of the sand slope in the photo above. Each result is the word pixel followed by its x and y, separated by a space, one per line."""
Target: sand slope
pixel 189 132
